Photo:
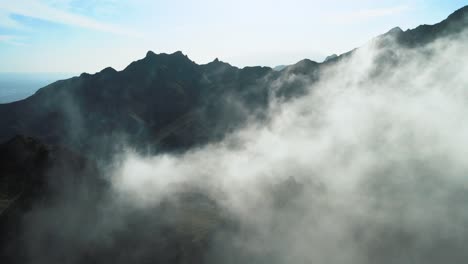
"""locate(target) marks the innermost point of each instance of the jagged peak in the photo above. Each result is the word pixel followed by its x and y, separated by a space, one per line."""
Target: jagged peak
pixel 150 54
pixel 302 66
pixel 257 68
pixel 395 30
pixel 161 58
pixel 217 62
pixel 331 57
pixel 179 53
pixel 306 62
pixel 108 70
pixel 85 74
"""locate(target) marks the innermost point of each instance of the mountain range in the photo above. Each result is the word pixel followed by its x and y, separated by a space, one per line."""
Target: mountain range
pixel 162 103
pixel 169 101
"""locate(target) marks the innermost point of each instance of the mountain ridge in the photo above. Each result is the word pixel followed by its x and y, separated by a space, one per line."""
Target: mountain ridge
pixel 158 89
pixel 165 103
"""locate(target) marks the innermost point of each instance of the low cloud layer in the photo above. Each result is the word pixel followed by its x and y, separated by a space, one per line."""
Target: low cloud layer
pixel 368 167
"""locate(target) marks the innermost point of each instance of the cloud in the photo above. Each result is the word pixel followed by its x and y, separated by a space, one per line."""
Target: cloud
pixel 41 10
pixel 368 167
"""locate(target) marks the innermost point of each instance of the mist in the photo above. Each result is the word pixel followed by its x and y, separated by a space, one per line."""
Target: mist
pixel 367 167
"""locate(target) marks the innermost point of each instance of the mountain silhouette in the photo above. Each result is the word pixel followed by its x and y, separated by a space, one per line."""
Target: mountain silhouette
pixel 141 102
pixel 167 101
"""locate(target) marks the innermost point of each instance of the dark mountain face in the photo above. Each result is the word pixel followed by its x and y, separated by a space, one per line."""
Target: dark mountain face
pixel 169 101
pixel 38 180
pixel 454 24
pixel 31 176
pixel 161 103
pixel 138 102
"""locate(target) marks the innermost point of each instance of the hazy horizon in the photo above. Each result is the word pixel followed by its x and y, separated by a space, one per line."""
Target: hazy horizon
pixel 16 86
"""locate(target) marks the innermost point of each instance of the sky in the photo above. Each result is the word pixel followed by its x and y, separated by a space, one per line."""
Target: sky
pixel 87 36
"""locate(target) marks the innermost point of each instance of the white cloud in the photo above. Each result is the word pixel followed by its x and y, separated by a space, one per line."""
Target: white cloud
pixel 41 10
pixel 370 151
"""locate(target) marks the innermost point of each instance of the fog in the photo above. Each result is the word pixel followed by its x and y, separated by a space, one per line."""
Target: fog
pixel 368 167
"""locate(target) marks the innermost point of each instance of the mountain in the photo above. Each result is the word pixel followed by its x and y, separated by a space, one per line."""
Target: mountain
pixel 149 100
pixel 56 140
pixel 421 35
pixel 279 67
pixel 167 101
pixel 34 176
pixel 331 57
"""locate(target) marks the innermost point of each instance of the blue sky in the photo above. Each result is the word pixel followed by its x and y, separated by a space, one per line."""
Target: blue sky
pixel 86 36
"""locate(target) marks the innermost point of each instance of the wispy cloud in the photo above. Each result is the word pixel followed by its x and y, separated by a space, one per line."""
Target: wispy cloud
pixel 8 22
pixel 13 40
pixel 45 11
